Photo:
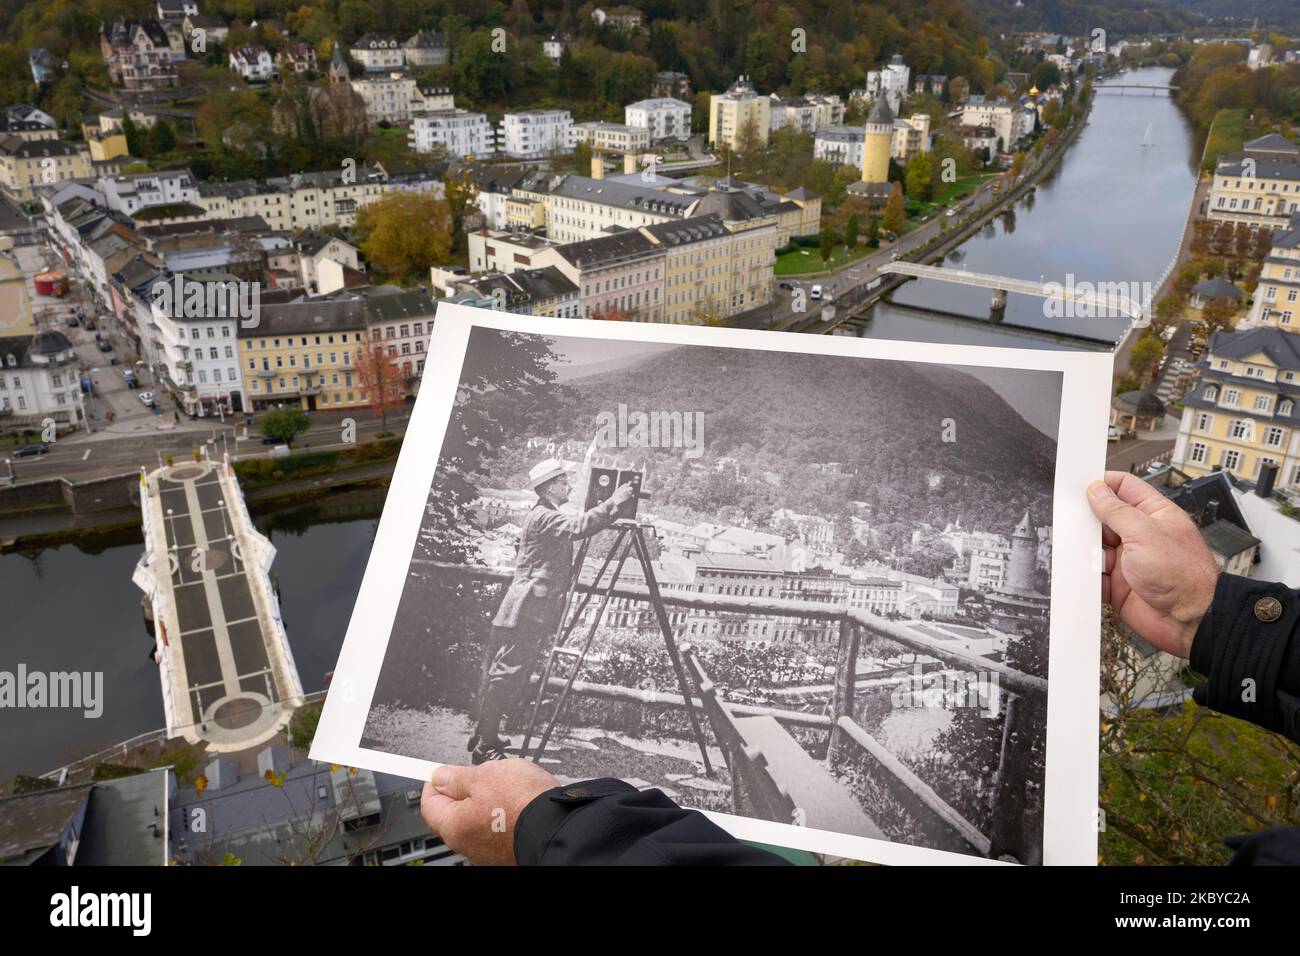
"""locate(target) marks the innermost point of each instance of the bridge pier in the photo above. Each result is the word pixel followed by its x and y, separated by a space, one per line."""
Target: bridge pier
pixel 998 308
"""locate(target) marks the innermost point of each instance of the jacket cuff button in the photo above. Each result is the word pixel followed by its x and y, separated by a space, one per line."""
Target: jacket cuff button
pixel 1268 609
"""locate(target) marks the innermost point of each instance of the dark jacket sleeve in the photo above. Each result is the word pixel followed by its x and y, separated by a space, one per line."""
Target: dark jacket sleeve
pixel 1252 669
pixel 609 822
pixel 1250 654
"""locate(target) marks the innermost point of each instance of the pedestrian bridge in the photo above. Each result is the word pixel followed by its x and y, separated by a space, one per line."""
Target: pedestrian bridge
pixel 1099 298
pixel 1122 87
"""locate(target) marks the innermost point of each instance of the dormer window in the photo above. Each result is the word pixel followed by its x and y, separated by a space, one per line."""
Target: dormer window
pixel 1211 393
pixel 1285 407
pixel 11 360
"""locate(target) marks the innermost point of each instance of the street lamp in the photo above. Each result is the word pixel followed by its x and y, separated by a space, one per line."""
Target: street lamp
pixel 225 531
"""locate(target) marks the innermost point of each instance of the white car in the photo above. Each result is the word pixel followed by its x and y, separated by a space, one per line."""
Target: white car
pixel 146 399
pixel 1112 433
pixel 816 292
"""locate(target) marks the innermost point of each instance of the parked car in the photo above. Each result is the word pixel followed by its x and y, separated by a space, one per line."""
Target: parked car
pixel 31 451
pixel 1112 433
pixel 104 345
pixel 268 440
pixel 146 399
pixel 950 213
pixel 785 285
pixel 816 292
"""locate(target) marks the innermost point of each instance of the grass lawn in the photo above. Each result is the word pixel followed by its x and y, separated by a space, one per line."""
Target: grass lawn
pixel 803 260
pixel 949 192
pixel 1227 133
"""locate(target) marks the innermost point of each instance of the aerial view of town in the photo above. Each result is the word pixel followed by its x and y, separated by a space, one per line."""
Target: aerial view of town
pixel 227 228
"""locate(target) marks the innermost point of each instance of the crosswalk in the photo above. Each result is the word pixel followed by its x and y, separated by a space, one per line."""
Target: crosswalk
pixel 1175 369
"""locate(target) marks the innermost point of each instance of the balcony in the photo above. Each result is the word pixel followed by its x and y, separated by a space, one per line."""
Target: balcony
pixel 267 372
pixel 779 775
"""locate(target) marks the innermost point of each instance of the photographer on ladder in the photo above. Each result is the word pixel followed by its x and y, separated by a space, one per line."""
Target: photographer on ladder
pixel 533 605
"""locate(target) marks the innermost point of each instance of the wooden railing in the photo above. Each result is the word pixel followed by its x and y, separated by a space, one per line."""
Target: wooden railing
pixel 1022 694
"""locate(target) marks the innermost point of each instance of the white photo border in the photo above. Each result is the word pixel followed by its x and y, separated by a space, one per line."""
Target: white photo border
pixel 1071 777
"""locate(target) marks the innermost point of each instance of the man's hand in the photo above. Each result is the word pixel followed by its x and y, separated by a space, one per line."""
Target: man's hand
pixel 622 493
pixel 1157 573
pixel 474 809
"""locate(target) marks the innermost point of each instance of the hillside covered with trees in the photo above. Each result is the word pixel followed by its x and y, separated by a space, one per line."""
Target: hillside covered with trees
pixel 784 418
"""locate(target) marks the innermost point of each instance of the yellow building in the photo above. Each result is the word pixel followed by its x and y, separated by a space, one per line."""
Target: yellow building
pixel 1260 186
pixel 28 165
pixel 1242 412
pixel 305 354
pixel 877 144
pixel 739 109
pixel 106 146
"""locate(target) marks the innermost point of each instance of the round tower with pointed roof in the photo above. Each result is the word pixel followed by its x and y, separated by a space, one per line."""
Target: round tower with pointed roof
pixel 877 143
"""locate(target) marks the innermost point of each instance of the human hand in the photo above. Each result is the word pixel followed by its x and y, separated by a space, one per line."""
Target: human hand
pixel 474 809
pixel 623 493
pixel 1157 572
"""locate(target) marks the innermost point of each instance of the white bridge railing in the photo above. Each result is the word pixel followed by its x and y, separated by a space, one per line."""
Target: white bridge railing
pixel 1109 298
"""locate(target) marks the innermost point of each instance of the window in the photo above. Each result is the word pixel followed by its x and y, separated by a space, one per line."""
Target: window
pixel 1231 460
pixel 1211 393
pixel 203 377
pixel 212 332
pixel 1231 396
pixel 1285 407
pixel 229 352
pixel 1204 422
pixel 1273 436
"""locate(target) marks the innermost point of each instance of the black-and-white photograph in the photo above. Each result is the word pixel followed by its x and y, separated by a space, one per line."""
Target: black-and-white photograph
pixel 810 589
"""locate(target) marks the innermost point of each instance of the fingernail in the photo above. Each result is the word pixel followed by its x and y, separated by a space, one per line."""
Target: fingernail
pixel 441 777
pixel 1099 489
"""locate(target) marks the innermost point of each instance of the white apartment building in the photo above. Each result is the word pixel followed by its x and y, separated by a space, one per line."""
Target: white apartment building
pixel 38 378
pixel 614 137
pixel 396 97
pixel 1000 116
pixel 297 202
pixel 464 133
pixel 135 191
pixel 532 134
pixel 378 53
pixel 890 81
pixel 842 145
pixel 199 356
pixel 253 63
pixel 734 112
pixel 663 116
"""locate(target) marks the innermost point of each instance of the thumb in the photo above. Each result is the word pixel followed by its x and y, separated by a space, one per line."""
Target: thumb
pixel 1125 520
pixel 453 781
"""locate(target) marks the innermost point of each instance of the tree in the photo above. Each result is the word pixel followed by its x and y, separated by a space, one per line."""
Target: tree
pixel 873 232
pixel 1017 165
pixel 403 234
pixel 852 229
pixel 827 242
pixel 381 379
pixel 918 177
pixel 161 138
pixel 1147 351
pixel 1217 314
pixel 895 212
pixel 284 422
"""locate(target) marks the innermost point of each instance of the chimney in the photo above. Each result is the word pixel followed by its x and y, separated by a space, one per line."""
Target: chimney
pixel 1212 512
pixel 1267 478
pixel 629 163
pixel 597 165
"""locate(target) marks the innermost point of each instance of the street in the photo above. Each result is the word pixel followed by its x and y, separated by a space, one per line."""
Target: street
pixel 846 285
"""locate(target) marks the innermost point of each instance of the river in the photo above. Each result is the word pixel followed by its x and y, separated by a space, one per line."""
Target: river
pixel 68 609
pixel 1111 211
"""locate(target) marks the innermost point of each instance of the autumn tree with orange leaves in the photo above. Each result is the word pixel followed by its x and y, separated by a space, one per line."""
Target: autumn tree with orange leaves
pixel 381 379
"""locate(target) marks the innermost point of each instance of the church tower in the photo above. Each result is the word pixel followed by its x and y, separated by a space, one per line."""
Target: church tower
pixel 339 72
pixel 878 142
